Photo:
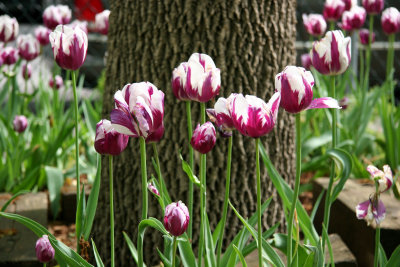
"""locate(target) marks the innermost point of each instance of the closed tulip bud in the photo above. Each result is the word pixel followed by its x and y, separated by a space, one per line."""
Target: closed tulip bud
pixel 9 55
pixel 176 218
pixel 204 137
pixel 364 36
pixel 59 82
pixel 28 47
pixel 108 141
pixel 42 35
pixel 252 116
pixel 353 19
pixel 139 111
pixel 56 15
pixel 26 71
pixel 384 178
pixel 153 189
pixel 101 22
pixel 221 115
pixel 20 123
pixel 315 24
pixel 44 251
pixel 178 81
pixel 8 29
pixel 371 210
pixel 69 47
pixel 333 9
pixel 390 20
pixel 83 25
pixel 373 7
pixel 306 61
pixel 331 55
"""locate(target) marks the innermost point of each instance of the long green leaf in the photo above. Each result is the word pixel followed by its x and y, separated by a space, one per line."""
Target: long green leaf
pixel 242 260
pixel 209 245
pixel 80 213
pixel 217 231
pixel 12 198
pixel 186 168
pixel 97 257
pixel 132 248
pixel 394 260
pixel 344 164
pixel 253 245
pixel 55 180
pixel 280 242
pixel 186 253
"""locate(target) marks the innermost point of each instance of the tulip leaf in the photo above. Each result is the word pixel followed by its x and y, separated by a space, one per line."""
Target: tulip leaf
pixel 210 259
pixel 394 260
pixel 80 213
pixel 343 161
pixel 55 180
pixel 12 198
pixel 186 168
pixel 280 242
pixel 99 262
pixel 166 262
pixel 132 248
pixel 253 245
pixel 217 231
pixel 241 258
pixel 185 251
pixel 382 255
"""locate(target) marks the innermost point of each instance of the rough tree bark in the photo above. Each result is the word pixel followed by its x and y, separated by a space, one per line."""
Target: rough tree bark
pixel 250 41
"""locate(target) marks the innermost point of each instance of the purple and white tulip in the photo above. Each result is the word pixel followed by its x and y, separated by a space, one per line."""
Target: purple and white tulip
pixel 252 116
pixel 373 7
pixel 56 15
pixel 83 25
pixel 59 82
pixel 384 178
pixel 390 20
pixel 26 71
pixel 153 189
pixel 20 123
pixel 176 218
pixel 364 36
pixel 306 61
pixel 331 55
pixel 42 35
pixel 9 55
pixel 353 19
pixel 44 251
pixel 348 4
pixel 221 115
pixel 69 47
pixel 108 141
pixel 314 24
pixel 28 46
pixel 178 81
pixel 372 209
pixel 101 22
pixel 139 111
pixel 9 28
pixel 204 138
pixel 333 9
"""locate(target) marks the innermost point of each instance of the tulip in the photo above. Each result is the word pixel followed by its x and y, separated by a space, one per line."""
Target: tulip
pixel 373 7
pixel 252 116
pixel 364 36
pixel 390 20
pixel 44 250
pixel 101 22
pixel 315 24
pixel 153 189
pixel 42 35
pixel 344 102
pixel 139 110
pixel 333 9
pixel 203 138
pixel 221 115
pixel 353 19
pixel 178 81
pixel 56 15
pixel 384 178
pixel 9 55
pixel 26 71
pixel 28 47
pixel 331 55
pixel 59 82
pixel 8 28
pixel 306 61
pixel 69 47
pixel 83 25
pixel 348 4
pixel 176 218
pixel 372 209
pixel 108 141
pixel 20 123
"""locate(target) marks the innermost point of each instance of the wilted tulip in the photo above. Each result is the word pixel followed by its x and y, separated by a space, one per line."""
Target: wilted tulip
pixel 83 25
pixel 59 82
pixel 101 22
pixel 44 251
pixel 204 137
pixel 69 47
pixel 373 6
pixel 28 47
pixel 221 115
pixel 20 123
pixel 364 36
pixel 108 141
pixel 176 218
pixel 8 28
pixel 153 189
pixel 372 209
pixel 331 55
pixel 139 111
pixel 56 15
pixel 252 116
pixel 390 20
pixel 306 61
pixel 353 19
pixel 42 35
pixel 315 24
pixel 333 9
pixel 26 71
pixel 384 178
pixel 9 55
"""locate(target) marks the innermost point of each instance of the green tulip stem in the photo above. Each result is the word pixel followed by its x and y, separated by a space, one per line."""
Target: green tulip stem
pixel 377 241
pixel 111 210
pixel 259 224
pixel 145 203
pixel 368 55
pixel 174 251
pixel 191 163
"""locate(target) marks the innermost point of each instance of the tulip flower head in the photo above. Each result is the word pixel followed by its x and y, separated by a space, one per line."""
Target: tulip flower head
pixel 101 22
pixel 8 28
pixel 333 9
pixel 139 111
pixel 373 7
pixel 20 123
pixel 353 19
pixel 9 55
pixel 28 47
pixel 44 251
pixel 390 20
pixel 331 55
pixel 26 71
pixel 306 61
pixel 315 24
pixel 69 47
pixel 42 35
pixel 178 81
pixel 108 141
pixel 204 137
pixel 153 189
pixel 364 36
pixel 371 210
pixel 176 218
pixel 56 15
pixel 59 82
pixel 383 178
pixel 83 25
pixel 221 115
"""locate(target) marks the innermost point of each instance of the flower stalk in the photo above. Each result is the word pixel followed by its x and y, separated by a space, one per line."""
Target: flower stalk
pixel 259 230
pixel 145 203
pixel 174 251
pixel 111 209
pixel 191 163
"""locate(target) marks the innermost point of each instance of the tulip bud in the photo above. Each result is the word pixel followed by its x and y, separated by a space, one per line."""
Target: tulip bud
pixel 315 24
pixel 364 36
pixel 390 20
pixel 9 55
pixel 221 115
pixel 20 123
pixel 306 61
pixel 83 25
pixel 108 141
pixel 59 82
pixel 8 28
pixel 353 19
pixel 69 47
pixel 203 138
pixel 26 71
pixel 101 22
pixel 44 251
pixel 153 189
pixel 28 47
pixel 373 7
pixel 331 55
pixel 56 15
pixel 176 218
pixel 333 9
pixel 42 35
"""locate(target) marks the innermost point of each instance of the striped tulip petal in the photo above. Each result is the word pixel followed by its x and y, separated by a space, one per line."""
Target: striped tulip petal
pixel 384 178
pixel 324 102
pixel 371 210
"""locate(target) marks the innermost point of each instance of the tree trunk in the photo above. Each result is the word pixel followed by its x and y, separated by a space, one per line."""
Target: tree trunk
pixel 250 41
